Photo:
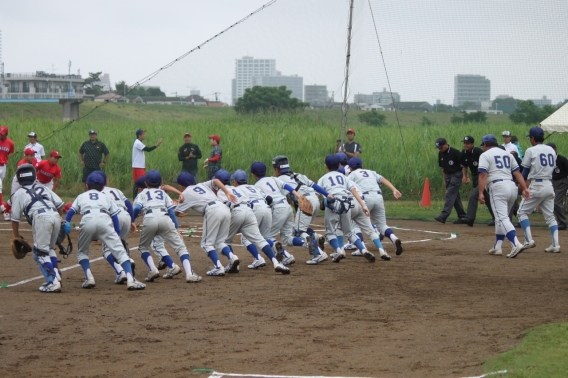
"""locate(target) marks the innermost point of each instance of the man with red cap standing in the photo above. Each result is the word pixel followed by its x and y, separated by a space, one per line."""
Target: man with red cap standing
pixel 6 149
pixel 49 172
pixel 213 163
pixel 350 148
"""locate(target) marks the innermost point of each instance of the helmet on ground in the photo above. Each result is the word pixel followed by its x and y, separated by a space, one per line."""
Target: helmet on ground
pixel 240 176
pixel 223 176
pixel 153 178
pixel 281 163
pixel 26 174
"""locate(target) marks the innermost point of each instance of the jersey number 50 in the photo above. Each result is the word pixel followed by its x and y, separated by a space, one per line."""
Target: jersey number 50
pixel 506 162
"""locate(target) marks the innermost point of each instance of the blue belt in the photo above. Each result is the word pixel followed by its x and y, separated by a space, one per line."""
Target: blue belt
pixel 150 211
pixel 541 180
pixel 244 204
pixel 211 203
pixel 372 191
pixel 41 211
pixel 100 211
pixel 494 181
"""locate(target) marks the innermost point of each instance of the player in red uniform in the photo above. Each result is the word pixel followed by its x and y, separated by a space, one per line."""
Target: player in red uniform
pixel 48 171
pixel 6 149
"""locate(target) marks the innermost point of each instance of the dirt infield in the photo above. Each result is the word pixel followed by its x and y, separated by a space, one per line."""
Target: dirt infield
pixel 438 310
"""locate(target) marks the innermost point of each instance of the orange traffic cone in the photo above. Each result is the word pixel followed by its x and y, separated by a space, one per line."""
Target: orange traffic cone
pixel 426 202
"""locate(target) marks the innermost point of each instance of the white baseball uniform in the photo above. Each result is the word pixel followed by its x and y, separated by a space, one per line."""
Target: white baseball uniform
pixel 302 185
pixel 282 214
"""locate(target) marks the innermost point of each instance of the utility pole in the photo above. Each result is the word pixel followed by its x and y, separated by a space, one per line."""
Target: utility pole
pixel 70 82
pixel 346 83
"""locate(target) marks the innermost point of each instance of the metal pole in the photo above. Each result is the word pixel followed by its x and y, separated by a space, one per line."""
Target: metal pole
pixel 346 84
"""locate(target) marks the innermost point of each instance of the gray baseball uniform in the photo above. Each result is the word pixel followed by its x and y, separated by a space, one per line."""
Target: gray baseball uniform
pixel 282 215
pixel 304 187
pixel 369 183
pixel 261 210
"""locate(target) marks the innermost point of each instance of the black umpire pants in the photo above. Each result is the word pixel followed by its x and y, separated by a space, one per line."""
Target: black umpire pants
pixel 453 184
pixel 560 188
pixel 473 201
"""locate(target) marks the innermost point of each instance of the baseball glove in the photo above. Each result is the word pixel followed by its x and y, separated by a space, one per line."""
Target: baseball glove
pixel 20 248
pixel 64 251
pixel 305 206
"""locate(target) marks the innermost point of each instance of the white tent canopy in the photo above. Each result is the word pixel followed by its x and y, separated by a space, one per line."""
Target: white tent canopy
pixel 557 121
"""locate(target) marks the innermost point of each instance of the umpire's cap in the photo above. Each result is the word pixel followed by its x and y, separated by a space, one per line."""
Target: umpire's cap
pixel 185 179
pixel 468 139
pixel 281 163
pixel 153 178
pixel 441 142
pixel 26 174
pixel 258 168
pixel 355 163
pixel 95 179
pixel 240 176
pixel 223 176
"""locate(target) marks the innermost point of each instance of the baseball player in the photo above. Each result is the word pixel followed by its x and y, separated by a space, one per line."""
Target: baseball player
pixel 156 204
pixel 538 165
pixel 244 221
pixel 39 151
pixel 344 162
pixel 6 149
pixel 49 172
pixel 306 187
pixel 99 221
pixel 282 215
pixel 495 172
pixel 29 158
pixel 42 209
pixel 369 181
pixel 342 189
pixel 216 218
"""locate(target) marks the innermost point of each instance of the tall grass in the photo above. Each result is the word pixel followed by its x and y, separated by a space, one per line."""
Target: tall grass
pixel 305 138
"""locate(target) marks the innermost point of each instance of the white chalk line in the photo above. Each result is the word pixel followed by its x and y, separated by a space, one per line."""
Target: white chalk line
pixel 217 374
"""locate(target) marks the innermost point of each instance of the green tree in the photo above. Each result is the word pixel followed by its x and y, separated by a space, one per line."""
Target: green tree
pixel 154 91
pixel 527 112
pixel 121 88
pixel 90 86
pixel 373 118
pixel 267 99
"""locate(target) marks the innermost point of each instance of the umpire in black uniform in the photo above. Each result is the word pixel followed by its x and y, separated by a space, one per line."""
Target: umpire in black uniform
pixel 560 184
pixel 449 161
pixel 469 160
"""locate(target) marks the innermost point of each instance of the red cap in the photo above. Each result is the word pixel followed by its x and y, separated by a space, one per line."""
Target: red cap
pixel 3 130
pixel 351 131
pixel 67 207
pixel 186 134
pixel 54 154
pixel 215 137
pixel 29 151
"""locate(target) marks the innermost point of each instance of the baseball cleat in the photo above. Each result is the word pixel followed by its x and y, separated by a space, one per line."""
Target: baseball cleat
pixel 89 283
pixel 120 278
pixel 516 250
pixel 162 265
pixel 219 272
pixel 135 285
pixel 495 251
pixel 384 255
pixel 439 219
pixel 192 277
pixel 356 253
pixel 529 244
pixel 171 272
pixel 279 250
pixel 338 256
pixel 50 287
pixel 369 256
pixel 349 247
pixel 288 260
pixel 552 249
pixel 317 259
pixel 398 247
pixel 233 266
pixel 257 263
pixel 279 268
pixel 152 275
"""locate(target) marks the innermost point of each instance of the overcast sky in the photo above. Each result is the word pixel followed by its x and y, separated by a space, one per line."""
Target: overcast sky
pixel 520 45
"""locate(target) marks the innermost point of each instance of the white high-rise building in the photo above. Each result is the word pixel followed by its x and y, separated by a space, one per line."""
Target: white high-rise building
pixel 247 68
pixel 471 88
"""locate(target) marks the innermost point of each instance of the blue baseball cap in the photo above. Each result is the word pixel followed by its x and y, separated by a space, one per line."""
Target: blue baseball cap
pixel 341 169
pixel 153 178
pixel 240 176
pixel 140 132
pixel 488 138
pixel 223 176
pixel 258 168
pixel 185 179
pixel 104 176
pixel 342 157
pixel 535 131
pixel 140 182
pixel 355 162
pixel 331 161
pixel 95 179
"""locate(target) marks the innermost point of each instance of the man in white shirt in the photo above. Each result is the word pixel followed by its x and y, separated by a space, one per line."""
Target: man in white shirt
pixel 138 158
pixel 509 147
pixel 34 145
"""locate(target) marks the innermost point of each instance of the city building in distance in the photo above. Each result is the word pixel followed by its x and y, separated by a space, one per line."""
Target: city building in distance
pixel 471 88
pixel 542 101
pixel 377 100
pixel 316 95
pixel 40 86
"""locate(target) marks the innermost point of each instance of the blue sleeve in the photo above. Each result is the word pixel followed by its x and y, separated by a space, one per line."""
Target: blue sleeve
pixel 173 217
pixel 116 224
pixel 288 188
pixel 135 212
pixel 320 190
pixel 129 207
pixel 69 215
pixel 526 172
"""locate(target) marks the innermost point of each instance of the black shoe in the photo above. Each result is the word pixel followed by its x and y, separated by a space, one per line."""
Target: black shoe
pixel 492 223
pixel 459 221
pixel 468 221
pixel 439 219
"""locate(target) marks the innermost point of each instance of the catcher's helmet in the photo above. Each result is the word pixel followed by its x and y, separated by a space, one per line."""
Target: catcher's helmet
pixel 26 174
pixel 95 179
pixel 153 178
pixel 185 179
pixel 281 163
pixel 240 176
pixel 355 163
pixel 258 168
pixel 223 176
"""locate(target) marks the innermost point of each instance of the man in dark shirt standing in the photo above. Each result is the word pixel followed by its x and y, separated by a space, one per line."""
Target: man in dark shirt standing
pixel 213 163
pixel 188 154
pixel 469 160
pixel 560 184
pixel 449 161
pixel 351 148
pixel 91 155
